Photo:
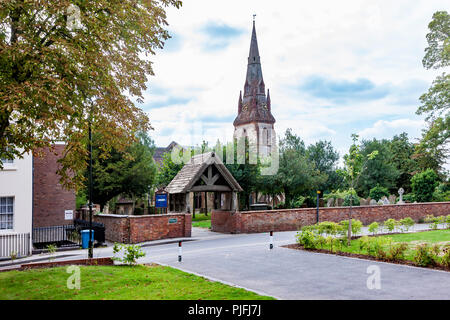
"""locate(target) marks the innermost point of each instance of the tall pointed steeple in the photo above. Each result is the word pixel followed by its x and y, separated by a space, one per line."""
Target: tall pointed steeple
pixel 254 106
pixel 254 78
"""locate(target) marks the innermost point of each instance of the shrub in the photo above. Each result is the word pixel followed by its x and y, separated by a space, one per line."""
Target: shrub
pixel 406 223
pixel 433 220
pixel 447 221
pixel 130 253
pixel 409 197
pixel 397 251
pixel 390 224
pixel 424 255
pixel 363 243
pixel 374 227
pixel 356 226
pixel 378 192
pixel 441 193
pixel 423 185
pixel 307 239
pixel 329 228
pixel 446 256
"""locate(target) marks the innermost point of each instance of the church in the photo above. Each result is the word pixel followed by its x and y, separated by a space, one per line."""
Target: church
pixel 254 119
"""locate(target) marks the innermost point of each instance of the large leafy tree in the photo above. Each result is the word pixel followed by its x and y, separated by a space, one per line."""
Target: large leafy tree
pixel 402 151
pixel 381 170
pixel 168 170
pixel 66 63
pixel 297 174
pixel 131 173
pixel 325 158
pixel 433 148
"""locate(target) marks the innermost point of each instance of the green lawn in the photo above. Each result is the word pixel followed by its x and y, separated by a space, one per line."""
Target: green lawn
pixel 201 220
pixel 118 283
pixel 413 239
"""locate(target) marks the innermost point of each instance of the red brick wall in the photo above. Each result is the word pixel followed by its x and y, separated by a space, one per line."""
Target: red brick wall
pixel 49 198
pixel 294 219
pixel 136 229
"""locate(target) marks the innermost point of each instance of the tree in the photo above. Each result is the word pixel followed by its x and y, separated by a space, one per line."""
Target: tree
pixel 297 175
pixel 378 192
pixel 131 173
pixel 402 151
pixel 436 102
pixel 424 184
pixel 354 165
pixel 325 158
pixel 168 170
pixel 246 173
pixel 381 170
pixel 64 66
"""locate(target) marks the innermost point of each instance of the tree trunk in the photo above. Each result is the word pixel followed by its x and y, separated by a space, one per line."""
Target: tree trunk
pixel 349 232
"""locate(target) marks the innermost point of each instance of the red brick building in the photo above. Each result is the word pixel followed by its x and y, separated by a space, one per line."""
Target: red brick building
pixel 50 199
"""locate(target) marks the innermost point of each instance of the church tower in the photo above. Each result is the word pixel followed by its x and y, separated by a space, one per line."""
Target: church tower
pixel 255 120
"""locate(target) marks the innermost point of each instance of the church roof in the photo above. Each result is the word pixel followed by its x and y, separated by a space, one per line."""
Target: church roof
pixel 254 106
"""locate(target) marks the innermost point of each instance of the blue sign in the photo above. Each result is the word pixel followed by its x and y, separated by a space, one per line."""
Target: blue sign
pixel 161 200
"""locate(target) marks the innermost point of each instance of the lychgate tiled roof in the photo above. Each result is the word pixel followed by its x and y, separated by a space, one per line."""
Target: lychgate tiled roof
pixel 192 170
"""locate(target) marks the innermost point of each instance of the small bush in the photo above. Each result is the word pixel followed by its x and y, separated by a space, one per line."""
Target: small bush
pixel 329 228
pixel 446 256
pixel 397 251
pixel 374 227
pixel 406 223
pixel 356 226
pixel 424 255
pixel 433 220
pixel 130 255
pixel 307 239
pixel 390 224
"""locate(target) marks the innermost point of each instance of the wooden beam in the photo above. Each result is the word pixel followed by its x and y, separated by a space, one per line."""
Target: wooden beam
pixel 210 188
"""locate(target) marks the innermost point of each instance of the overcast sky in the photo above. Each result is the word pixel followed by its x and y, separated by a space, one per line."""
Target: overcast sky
pixel 333 68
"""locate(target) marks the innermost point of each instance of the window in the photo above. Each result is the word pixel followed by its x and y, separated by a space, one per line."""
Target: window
pixel 6 212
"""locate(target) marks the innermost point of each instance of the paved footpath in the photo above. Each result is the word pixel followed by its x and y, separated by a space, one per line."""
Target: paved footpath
pixel 245 260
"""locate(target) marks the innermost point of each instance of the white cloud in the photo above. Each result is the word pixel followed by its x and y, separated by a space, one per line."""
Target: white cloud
pixel 382 41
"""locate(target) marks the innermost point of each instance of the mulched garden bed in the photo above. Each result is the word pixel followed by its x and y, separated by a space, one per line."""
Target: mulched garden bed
pixel 80 262
pixel 297 246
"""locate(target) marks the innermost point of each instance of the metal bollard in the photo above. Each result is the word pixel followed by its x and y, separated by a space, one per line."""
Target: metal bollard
pixel 180 251
pixel 271 240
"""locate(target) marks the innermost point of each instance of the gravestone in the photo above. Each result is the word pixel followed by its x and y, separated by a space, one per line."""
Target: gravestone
pixel 400 193
pixel 321 203
pixel 363 202
pixel 392 199
pixel 330 202
pixel 385 200
pixel 339 202
pixel 380 202
pixel 373 202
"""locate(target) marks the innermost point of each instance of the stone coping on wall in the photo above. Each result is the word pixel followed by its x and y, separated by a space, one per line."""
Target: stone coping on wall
pixel 346 207
pixel 139 216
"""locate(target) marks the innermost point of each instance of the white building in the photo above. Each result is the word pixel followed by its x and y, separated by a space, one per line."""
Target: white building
pixel 16 206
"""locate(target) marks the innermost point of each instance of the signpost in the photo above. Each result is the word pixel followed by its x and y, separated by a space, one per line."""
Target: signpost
pixel 161 202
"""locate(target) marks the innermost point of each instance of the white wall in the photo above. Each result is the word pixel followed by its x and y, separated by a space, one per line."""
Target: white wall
pixel 16 180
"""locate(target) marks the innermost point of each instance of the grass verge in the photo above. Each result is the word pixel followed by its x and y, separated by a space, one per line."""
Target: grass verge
pixel 139 282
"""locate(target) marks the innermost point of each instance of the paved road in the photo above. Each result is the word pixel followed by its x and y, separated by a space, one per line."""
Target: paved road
pixel 246 261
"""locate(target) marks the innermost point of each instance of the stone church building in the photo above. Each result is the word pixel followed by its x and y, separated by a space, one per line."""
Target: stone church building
pixel 255 120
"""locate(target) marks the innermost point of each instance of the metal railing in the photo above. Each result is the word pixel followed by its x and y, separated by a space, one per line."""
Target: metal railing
pixel 60 236
pixel 99 229
pixel 17 245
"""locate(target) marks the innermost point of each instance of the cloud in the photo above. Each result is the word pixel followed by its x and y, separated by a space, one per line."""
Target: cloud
pixel 219 35
pixel 383 129
pixel 343 90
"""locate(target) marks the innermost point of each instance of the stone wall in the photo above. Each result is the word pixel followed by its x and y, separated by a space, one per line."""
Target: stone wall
pixel 136 229
pixel 294 219
pixel 50 199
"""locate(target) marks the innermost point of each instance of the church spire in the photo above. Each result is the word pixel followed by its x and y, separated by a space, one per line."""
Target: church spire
pixel 254 76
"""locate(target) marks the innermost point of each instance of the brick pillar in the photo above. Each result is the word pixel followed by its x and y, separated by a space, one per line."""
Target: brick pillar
pixel 187 225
